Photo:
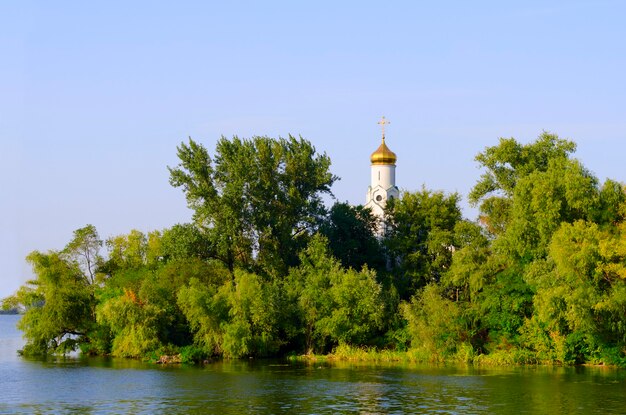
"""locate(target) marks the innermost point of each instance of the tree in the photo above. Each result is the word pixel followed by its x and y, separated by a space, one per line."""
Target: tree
pixel 612 204
pixel 506 164
pixel 84 251
pixel 60 302
pixel 257 199
pixel 542 200
pixel 336 306
pixel 206 310
pixel 421 237
pixel 128 251
pixel 434 323
pixel 581 292
pixel 490 291
pixel 252 328
pixel 133 324
pixel 351 239
pixel 529 190
pixel 138 304
pixel 185 241
pixel 472 261
pixel 236 319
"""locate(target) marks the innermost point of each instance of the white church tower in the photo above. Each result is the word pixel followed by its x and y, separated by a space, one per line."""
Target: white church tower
pixel 383 180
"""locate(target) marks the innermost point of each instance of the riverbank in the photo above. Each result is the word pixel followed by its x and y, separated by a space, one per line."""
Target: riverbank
pixel 270 386
pixel 465 355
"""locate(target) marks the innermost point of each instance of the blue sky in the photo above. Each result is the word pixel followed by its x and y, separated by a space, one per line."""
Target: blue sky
pixel 95 97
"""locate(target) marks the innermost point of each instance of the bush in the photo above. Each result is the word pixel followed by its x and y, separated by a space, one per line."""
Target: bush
pixel 434 324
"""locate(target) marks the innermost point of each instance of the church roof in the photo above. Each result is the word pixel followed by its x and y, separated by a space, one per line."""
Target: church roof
pixel 383 155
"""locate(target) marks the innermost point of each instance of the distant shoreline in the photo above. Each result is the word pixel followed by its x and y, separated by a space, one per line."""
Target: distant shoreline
pixel 9 312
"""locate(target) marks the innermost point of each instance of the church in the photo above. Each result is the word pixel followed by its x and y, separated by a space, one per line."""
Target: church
pixel 383 180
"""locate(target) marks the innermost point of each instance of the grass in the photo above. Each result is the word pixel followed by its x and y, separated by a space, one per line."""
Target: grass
pixel 464 355
pixel 347 353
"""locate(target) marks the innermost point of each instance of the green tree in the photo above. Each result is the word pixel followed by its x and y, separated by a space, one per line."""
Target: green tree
pixel 491 293
pixel 84 251
pixel 184 241
pixel 256 198
pixel 612 204
pixel 60 301
pixel 499 311
pixel 133 324
pixel 506 164
pixel 160 288
pixel 336 306
pixel 550 219
pixel 580 300
pixel 236 319
pixel 421 237
pixel 473 261
pixel 252 328
pixel 128 251
pixel 529 190
pixel 350 231
pixel 434 323
pixel 206 309
pixel 565 192
pixel 138 304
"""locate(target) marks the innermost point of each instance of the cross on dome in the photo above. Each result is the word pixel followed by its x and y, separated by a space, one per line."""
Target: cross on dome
pixel 383 155
pixel 383 121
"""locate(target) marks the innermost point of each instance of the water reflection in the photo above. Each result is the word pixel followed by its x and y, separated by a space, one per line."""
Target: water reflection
pixel 113 386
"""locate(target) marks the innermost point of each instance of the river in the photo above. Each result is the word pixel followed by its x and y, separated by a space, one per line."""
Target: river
pixel 119 386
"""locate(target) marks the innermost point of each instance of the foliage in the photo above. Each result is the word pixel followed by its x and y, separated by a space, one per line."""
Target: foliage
pixel 184 241
pixel 506 164
pixel 236 319
pixel 434 322
pixel 252 327
pixel 83 251
pixel 256 199
pixel 565 192
pixel 133 324
pixel 350 231
pixel 128 251
pixel 421 237
pixel 60 302
pixel 580 298
pixel 265 270
pixel 336 305
pixel 205 310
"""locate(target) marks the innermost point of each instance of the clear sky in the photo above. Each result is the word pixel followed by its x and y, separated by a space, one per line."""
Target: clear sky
pixel 95 97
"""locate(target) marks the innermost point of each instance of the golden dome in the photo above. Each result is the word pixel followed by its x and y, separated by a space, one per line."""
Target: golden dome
pixel 383 155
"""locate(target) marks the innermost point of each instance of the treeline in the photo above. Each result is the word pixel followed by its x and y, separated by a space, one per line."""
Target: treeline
pixel 9 311
pixel 265 269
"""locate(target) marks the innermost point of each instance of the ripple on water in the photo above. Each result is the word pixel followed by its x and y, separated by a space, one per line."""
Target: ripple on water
pixel 110 386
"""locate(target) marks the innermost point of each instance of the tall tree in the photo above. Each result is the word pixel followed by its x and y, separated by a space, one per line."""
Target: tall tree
pixel 351 236
pixel 184 241
pixel 542 200
pixel 256 199
pixel 550 220
pixel 529 190
pixel 421 238
pixel 84 251
pixel 60 301
pixel 506 164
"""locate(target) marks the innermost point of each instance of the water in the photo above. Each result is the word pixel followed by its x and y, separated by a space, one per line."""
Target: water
pixel 117 386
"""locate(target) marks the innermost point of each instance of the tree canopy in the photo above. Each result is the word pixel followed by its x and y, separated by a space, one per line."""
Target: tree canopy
pixel 266 269
pixel 256 199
